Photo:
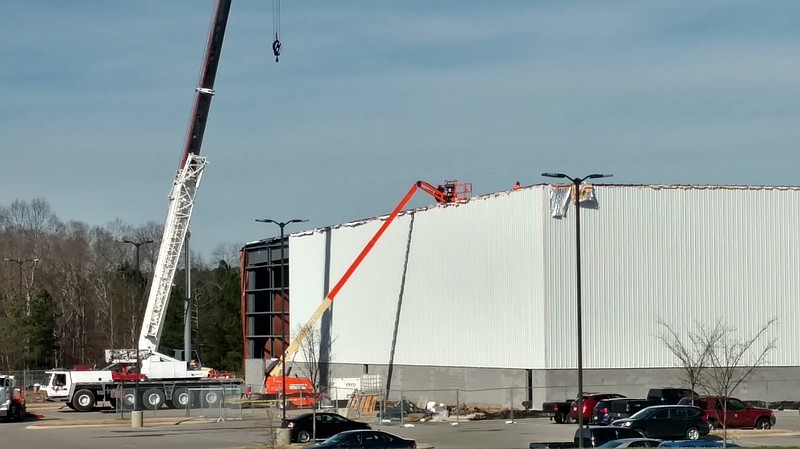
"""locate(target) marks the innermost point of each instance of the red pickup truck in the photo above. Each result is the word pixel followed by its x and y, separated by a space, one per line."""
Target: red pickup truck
pixel 737 413
pixel 589 401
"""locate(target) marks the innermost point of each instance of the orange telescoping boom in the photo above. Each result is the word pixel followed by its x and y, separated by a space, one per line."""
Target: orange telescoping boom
pixel 450 192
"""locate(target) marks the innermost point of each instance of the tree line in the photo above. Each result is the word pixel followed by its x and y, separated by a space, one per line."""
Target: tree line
pixel 69 291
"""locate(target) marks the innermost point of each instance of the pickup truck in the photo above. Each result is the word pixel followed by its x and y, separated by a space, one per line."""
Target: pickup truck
pixel 737 413
pixel 557 411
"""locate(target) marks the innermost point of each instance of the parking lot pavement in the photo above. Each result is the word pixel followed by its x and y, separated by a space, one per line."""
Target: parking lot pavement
pixel 254 430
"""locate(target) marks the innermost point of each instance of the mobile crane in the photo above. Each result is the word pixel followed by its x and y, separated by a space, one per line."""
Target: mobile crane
pixel 451 191
pixel 164 379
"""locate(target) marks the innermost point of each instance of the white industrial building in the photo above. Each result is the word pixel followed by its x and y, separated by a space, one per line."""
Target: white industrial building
pixel 481 295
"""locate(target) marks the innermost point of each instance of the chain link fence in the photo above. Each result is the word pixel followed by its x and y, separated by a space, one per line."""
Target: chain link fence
pixel 32 383
pixel 213 402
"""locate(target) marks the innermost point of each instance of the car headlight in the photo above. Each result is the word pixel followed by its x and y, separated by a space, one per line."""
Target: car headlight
pixel 626 424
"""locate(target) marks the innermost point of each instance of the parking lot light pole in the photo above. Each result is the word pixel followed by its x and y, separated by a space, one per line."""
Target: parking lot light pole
pixel 579 319
pixel 282 225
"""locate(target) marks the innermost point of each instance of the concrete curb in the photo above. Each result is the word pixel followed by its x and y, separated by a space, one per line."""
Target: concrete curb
pixel 753 433
pixel 116 422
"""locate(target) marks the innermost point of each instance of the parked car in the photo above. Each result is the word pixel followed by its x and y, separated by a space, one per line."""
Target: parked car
pixel 328 425
pixel 608 410
pixel 737 413
pixel 633 442
pixel 669 395
pixel 667 421
pixel 698 443
pixel 367 439
pixel 596 436
pixel 557 411
pixel 589 401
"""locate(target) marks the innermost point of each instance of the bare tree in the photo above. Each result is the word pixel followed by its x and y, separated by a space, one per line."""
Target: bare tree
pixel 311 346
pixel 692 350
pixel 731 362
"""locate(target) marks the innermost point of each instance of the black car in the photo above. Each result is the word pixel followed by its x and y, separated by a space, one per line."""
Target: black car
pixel 328 425
pixel 667 422
pixel 609 410
pixel 365 439
pixel 596 436
pixel 669 395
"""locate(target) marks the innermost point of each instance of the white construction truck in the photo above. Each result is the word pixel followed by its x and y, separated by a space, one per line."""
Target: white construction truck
pixel 162 380
pixel 12 404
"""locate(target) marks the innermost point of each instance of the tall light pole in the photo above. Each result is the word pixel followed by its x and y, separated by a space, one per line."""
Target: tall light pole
pixel 139 290
pixel 282 225
pixel 579 318
pixel 20 262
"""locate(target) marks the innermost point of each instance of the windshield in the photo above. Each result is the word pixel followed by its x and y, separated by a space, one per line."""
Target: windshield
pixel 643 413
pixel 612 443
pixel 337 438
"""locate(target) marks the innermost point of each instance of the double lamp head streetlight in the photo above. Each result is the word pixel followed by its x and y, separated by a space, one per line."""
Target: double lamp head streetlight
pixel 579 319
pixel 282 225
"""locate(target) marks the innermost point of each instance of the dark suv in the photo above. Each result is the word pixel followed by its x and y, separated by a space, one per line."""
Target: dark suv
pixel 667 422
pixel 608 410
pixel 670 396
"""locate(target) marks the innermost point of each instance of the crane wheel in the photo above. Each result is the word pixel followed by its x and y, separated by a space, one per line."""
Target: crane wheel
pixel 210 398
pixel 83 400
pixel 153 399
pixel 128 399
pixel 182 398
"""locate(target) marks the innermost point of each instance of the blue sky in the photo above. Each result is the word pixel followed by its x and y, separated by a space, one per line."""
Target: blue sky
pixel 369 97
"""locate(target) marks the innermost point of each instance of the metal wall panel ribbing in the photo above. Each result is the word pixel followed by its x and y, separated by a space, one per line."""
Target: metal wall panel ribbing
pixel 473 291
pixel 684 255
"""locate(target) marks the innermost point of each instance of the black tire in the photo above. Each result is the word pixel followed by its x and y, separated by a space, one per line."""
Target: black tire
pixel 210 398
pixel 692 433
pixel 280 403
pixel 153 399
pixel 713 425
pixel 84 400
pixel 21 413
pixel 113 403
pixel 558 419
pixel 128 399
pixel 182 398
pixel 763 423
pixel 303 436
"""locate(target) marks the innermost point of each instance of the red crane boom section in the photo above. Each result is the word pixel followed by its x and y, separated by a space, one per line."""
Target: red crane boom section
pixel 205 87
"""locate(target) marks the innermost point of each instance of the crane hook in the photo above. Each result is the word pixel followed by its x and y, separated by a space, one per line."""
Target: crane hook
pixel 276 47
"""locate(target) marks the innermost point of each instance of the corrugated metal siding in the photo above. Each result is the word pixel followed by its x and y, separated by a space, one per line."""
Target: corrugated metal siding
pixel 491 283
pixel 686 256
pixel 473 294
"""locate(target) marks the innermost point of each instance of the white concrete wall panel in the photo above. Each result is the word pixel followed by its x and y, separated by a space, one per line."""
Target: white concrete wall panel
pixel 687 256
pixel 473 292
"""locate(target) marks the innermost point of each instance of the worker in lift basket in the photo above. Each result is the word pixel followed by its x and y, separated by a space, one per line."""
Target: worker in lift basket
pixel 193 365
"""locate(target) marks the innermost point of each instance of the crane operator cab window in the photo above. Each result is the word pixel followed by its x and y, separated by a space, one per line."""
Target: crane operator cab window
pixel 58 380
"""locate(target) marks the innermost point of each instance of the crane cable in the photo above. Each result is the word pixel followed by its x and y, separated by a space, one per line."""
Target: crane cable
pixel 276 28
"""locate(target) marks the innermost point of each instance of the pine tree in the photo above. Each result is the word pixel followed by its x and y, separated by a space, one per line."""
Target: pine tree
pixel 41 326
